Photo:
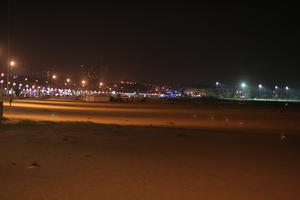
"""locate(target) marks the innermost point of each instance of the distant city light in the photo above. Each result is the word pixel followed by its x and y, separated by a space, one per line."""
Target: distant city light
pixel 276 87
pixel 217 83
pixel 68 80
pixel 286 88
pixel 2 74
pixel 260 86
pixel 54 77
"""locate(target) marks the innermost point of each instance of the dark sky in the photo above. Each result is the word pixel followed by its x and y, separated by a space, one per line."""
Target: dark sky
pixel 176 42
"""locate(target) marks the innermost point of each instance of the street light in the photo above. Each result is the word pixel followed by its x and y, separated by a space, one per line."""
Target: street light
pixel 10 66
pixel 68 80
pixel 243 85
pixel 286 88
pixel 12 63
pixel 260 86
pixel 52 82
pixel 217 83
pixel 83 82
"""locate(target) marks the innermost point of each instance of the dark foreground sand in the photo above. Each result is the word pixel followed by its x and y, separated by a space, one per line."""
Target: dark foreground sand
pixel 59 161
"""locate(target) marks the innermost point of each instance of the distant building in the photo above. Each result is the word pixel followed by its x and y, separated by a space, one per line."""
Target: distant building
pixel 201 92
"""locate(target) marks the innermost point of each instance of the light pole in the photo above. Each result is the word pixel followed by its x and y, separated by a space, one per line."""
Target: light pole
pixel 100 86
pixel 286 92
pixel 83 82
pixel 11 64
pixel 259 90
pixel 2 81
pixel 218 89
pixel 243 85
pixel 52 81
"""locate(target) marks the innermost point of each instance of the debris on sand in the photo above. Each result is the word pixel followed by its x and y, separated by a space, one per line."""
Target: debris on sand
pixel 283 136
pixel 34 165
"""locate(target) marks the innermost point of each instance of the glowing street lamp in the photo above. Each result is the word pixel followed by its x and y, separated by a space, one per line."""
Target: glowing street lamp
pixel 217 83
pixel 101 84
pixel 243 85
pixel 12 63
pixel 287 88
pixel 83 82
pixel 54 77
pixel 68 80
pixel 276 87
pixel 260 86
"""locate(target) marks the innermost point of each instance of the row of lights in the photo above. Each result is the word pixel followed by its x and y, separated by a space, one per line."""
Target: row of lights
pixel 68 80
pixel 260 86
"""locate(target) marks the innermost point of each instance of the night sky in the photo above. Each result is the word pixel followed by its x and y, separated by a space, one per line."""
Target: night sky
pixel 171 42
